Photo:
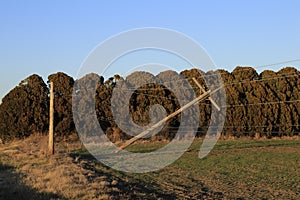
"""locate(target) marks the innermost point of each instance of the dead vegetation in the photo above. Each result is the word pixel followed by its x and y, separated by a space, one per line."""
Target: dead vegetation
pixel 235 169
pixel 59 175
pixel 26 169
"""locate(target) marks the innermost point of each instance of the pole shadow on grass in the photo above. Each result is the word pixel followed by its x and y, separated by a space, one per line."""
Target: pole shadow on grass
pixel 11 187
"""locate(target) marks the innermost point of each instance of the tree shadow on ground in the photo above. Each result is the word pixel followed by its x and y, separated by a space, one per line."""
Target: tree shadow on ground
pixel 140 187
pixel 11 187
pixel 127 186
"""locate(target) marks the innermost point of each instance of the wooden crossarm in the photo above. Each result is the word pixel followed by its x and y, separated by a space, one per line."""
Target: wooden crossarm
pixel 203 90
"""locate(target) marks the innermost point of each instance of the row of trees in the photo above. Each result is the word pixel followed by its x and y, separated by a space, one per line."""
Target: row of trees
pixel 25 109
pixel 265 103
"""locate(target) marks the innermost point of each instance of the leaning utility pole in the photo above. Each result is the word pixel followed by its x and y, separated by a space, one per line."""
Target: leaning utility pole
pixel 51 119
pixel 196 100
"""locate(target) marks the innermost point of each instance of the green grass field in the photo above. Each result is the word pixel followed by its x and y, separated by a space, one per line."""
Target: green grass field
pixel 241 169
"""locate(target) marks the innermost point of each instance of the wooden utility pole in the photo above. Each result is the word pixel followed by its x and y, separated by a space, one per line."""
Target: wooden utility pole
pixel 51 120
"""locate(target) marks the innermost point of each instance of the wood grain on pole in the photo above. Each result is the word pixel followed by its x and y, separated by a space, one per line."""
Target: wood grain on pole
pixel 51 120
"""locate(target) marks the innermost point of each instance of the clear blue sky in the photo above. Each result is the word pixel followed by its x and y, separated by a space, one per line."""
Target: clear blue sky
pixel 44 37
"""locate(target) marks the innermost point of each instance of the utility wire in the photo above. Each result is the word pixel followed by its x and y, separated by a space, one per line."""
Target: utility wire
pixel 261 103
pixel 232 83
pixel 226 84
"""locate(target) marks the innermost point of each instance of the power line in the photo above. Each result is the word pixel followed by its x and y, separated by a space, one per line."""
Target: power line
pixel 258 80
pixel 279 63
pixel 257 67
pixel 265 79
pixel 232 83
pixel 216 73
pixel 235 105
pixel 227 84
pixel 261 103
pixel 125 124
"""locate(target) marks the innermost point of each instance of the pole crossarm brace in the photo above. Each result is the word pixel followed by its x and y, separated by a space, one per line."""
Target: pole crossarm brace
pixel 196 100
pixel 209 98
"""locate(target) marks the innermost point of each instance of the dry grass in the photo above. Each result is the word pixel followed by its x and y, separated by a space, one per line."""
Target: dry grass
pixel 244 169
pixel 27 163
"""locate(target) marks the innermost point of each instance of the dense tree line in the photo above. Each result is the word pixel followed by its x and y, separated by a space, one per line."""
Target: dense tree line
pixel 265 103
pixel 24 110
